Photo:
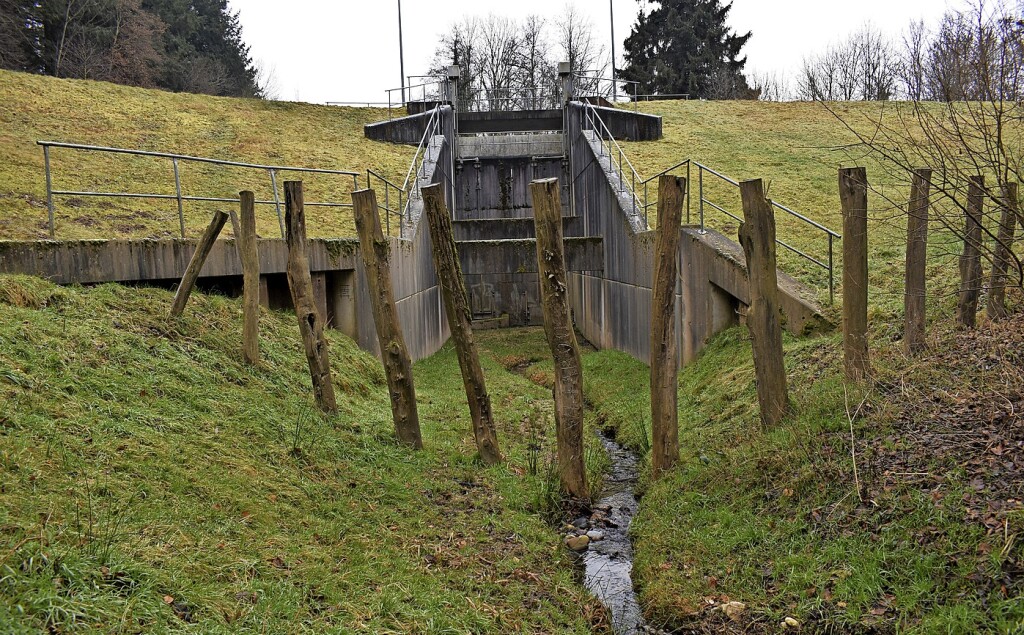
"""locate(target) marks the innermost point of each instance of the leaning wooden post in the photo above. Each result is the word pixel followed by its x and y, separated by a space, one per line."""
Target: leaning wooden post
pixel 1001 259
pixel 917 259
pixel 664 354
pixel 456 306
pixel 853 194
pixel 568 391
pixel 300 282
pixel 757 236
pixel 970 259
pixel 188 281
pixel 248 252
pixel 397 364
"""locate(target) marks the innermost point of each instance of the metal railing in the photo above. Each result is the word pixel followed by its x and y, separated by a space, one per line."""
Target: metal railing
pixel 426 91
pixel 176 161
pixel 590 84
pixel 827 262
pixel 480 99
pixel 640 193
pixel 610 148
pixel 392 194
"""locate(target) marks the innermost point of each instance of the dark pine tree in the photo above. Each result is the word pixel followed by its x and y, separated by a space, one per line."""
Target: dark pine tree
pixel 685 47
pixel 204 51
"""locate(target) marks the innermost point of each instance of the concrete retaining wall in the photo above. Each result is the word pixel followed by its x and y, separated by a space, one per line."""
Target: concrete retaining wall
pixel 612 306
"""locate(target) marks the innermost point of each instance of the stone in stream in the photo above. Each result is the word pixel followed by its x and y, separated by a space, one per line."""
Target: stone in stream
pixel 577 543
pixel 595 535
pixel 581 523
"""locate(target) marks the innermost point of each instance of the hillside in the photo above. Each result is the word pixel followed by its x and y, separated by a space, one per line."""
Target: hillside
pixel 34 108
pixel 151 482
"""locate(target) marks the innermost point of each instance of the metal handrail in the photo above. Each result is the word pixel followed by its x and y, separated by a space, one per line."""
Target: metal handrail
pixel 398 211
pixel 611 82
pixel 592 118
pixel 597 124
pixel 831 235
pixel 272 171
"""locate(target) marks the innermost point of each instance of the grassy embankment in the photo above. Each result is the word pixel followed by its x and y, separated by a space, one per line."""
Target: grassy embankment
pixel 36 108
pixel 151 482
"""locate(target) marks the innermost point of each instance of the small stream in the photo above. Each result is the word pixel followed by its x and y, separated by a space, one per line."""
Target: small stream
pixel 608 562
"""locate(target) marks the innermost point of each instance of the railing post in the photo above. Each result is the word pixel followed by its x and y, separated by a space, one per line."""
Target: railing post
pixel 831 272
pixel 387 207
pixel 688 181
pixel 177 191
pixel 277 200
pixel 49 190
pixel 700 183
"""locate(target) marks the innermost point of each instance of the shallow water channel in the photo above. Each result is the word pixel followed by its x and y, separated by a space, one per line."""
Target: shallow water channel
pixel 608 562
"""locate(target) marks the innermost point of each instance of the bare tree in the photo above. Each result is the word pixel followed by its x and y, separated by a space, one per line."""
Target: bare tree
pixel 769 86
pixel 914 60
pixel 537 71
pixel 579 46
pixel 499 46
pixel 974 68
pixel 863 67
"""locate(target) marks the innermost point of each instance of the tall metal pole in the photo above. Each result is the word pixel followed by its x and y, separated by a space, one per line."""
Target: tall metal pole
pixel 615 86
pixel 401 52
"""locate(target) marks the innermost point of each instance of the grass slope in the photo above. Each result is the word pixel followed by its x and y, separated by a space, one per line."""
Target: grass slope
pixel 774 518
pixel 36 108
pixel 151 482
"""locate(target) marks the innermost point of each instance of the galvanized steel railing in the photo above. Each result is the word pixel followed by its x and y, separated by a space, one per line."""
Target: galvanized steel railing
pixel 609 147
pixel 826 262
pixel 639 191
pixel 176 160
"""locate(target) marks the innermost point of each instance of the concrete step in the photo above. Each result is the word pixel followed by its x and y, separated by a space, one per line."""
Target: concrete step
pixel 519 256
pixel 509 228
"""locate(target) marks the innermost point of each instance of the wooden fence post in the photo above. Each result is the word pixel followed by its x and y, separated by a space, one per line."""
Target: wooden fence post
pixel 456 306
pixel 300 282
pixel 970 259
pixel 195 265
pixel 757 236
pixel 397 364
pixel 853 194
pixel 917 259
pixel 248 251
pixel 1001 260
pixel 568 391
pixel 664 353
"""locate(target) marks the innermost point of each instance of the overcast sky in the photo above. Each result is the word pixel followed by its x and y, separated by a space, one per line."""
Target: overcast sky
pixel 347 50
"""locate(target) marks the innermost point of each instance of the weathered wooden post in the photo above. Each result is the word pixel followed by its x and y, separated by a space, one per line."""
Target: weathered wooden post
pixel 397 364
pixel 917 259
pixel 757 236
pixel 248 252
pixel 853 194
pixel 300 282
pixel 195 265
pixel 1001 260
pixel 568 391
pixel 456 306
pixel 664 353
pixel 970 259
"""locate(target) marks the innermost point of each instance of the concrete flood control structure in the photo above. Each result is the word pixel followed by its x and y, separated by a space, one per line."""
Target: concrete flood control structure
pixel 486 174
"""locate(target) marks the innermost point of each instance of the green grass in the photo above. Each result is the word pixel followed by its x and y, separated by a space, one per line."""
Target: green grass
pixel 151 481
pixel 34 108
pixel 773 519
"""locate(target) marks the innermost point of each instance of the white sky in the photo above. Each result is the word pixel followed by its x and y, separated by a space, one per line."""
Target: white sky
pixel 347 50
